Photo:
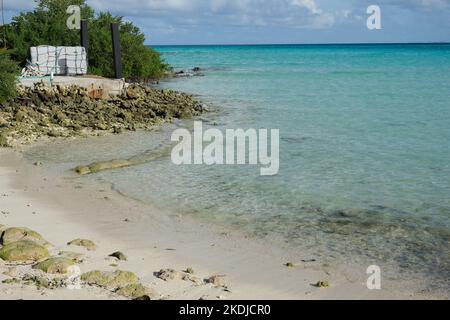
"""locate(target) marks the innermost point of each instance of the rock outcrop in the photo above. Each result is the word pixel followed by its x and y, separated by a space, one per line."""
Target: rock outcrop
pixel 70 111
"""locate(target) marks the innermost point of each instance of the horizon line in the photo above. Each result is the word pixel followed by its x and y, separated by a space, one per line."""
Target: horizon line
pixel 301 44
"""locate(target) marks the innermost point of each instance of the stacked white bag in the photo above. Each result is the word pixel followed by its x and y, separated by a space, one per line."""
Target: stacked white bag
pixel 59 60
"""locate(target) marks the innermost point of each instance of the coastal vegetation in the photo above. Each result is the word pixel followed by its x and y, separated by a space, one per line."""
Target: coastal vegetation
pixel 8 77
pixel 28 113
pixel 46 25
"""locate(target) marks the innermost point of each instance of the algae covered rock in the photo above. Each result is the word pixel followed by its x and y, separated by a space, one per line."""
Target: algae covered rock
pixel 74 256
pixel 132 291
pixel 23 251
pixel 102 166
pixel 190 270
pixel 290 265
pixel 82 170
pixel 137 292
pixel 42 282
pixel 119 255
pixel 110 280
pixel 88 244
pixel 322 284
pixel 11 235
pixel 11 281
pixel 55 265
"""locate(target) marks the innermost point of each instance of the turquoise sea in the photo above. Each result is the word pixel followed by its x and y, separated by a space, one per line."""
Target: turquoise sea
pixel 364 151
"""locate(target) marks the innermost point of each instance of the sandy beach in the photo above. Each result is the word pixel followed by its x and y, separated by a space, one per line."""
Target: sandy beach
pixel 224 151
pixel 65 209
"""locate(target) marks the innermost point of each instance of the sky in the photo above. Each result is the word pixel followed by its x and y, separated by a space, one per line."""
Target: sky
pixel 179 22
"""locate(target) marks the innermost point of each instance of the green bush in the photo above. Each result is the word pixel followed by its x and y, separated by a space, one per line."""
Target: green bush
pixel 8 76
pixel 138 60
pixel 46 25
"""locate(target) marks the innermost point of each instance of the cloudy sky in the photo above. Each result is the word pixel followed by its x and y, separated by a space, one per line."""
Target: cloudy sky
pixel 275 21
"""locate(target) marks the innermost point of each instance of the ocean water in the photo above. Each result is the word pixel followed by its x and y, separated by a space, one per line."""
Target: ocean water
pixel 364 151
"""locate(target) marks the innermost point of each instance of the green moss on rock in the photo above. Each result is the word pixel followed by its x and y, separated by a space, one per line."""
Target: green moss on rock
pixel 132 291
pixel 88 244
pixel 119 255
pixel 102 166
pixel 110 280
pixel 190 270
pixel 55 265
pixel 322 284
pixel 11 281
pixel 82 170
pixel 40 282
pixel 290 265
pixel 23 251
pixel 74 256
pixel 11 235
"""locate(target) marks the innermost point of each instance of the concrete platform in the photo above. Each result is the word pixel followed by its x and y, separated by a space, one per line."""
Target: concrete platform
pixel 98 87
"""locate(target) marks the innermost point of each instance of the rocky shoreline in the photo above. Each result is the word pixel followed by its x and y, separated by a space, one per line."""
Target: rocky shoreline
pixel 58 111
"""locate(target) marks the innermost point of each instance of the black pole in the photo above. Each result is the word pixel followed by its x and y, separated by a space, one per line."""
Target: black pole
pixel 84 34
pixel 116 50
pixel 85 37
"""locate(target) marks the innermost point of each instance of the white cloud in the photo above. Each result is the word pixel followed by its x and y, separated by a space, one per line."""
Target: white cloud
pixel 175 16
pixel 291 13
pixel 431 4
pixel 309 4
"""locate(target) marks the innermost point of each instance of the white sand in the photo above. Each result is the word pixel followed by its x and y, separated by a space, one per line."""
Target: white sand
pixel 65 209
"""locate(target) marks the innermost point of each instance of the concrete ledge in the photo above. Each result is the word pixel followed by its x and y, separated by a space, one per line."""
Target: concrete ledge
pixel 98 87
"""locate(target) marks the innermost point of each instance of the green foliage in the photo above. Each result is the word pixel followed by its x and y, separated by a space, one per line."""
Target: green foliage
pixel 138 60
pixel 8 76
pixel 46 25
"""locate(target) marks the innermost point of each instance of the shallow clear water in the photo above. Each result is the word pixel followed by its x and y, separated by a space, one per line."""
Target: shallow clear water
pixel 364 150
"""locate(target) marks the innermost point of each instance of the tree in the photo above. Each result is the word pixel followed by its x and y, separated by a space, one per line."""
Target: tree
pixel 9 71
pixel 46 25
